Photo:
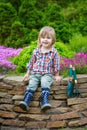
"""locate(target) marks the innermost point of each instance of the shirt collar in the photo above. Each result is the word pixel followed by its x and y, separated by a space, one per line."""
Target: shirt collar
pixel 51 49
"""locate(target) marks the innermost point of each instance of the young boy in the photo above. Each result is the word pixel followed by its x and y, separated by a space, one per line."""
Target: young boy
pixel 43 68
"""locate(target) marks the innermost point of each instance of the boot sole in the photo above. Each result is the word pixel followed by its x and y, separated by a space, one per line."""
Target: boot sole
pixel 23 106
pixel 46 107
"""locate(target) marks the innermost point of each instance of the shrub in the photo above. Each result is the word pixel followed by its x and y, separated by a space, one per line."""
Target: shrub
pixel 7 15
pixel 63 50
pixel 18 37
pixel 33 35
pixel 78 43
pixel 24 58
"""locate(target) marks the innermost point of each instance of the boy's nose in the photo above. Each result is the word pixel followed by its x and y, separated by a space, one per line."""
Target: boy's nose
pixel 45 39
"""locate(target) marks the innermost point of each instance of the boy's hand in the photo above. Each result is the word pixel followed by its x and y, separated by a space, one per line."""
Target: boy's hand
pixel 26 77
pixel 57 79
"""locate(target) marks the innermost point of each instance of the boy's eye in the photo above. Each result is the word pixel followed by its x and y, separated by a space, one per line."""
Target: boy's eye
pixel 46 37
pixel 43 37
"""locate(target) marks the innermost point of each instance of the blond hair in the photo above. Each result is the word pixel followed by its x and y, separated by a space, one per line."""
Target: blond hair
pixel 49 31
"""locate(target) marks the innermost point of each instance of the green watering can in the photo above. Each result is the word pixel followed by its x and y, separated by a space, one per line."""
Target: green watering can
pixel 72 88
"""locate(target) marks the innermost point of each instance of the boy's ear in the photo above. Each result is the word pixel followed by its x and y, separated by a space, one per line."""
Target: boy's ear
pixel 52 41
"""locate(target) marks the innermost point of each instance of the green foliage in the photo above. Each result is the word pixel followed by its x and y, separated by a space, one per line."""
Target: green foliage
pixel 64 3
pixel 82 71
pixel 15 3
pixel 63 50
pixel 75 14
pixel 18 37
pixel 67 18
pixel 82 21
pixel 54 18
pixel 29 14
pixel 78 43
pixel 7 15
pixel 20 22
pixel 33 35
pixel 24 57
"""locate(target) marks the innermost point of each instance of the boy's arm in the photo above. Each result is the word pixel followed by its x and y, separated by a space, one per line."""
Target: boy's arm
pixel 57 67
pixel 29 67
pixel 26 75
pixel 56 63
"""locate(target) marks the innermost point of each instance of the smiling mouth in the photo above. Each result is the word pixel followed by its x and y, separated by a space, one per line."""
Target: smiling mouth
pixel 45 42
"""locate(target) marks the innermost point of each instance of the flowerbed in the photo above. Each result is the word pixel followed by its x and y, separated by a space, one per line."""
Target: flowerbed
pixel 5 54
pixel 79 60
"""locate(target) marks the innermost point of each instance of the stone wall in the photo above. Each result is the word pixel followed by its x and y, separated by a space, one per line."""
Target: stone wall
pixel 65 112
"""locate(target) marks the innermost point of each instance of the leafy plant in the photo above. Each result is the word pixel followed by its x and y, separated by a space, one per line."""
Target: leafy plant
pixel 78 43
pixel 63 50
pixel 24 57
pixel 18 37
pixel 7 15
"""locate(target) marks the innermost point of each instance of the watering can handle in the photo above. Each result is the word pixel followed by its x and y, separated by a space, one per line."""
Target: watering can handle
pixel 74 75
pixel 70 71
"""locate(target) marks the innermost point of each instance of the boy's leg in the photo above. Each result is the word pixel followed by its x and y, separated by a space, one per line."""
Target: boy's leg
pixel 33 84
pixel 46 82
pixel 27 99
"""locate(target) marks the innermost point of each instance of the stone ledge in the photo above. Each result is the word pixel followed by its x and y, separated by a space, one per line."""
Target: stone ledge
pixel 17 128
pixel 17 80
pixel 65 112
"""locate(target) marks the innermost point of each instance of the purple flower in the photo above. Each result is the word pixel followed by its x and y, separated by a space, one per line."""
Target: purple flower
pixel 79 61
pixel 5 54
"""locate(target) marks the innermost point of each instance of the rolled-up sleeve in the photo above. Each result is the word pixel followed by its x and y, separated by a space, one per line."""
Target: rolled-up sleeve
pixel 56 62
pixel 31 62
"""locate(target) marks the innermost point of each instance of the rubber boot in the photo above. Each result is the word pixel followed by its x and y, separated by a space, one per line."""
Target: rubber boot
pixel 44 101
pixel 27 99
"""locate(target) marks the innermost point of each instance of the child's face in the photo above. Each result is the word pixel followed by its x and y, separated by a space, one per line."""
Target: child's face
pixel 46 41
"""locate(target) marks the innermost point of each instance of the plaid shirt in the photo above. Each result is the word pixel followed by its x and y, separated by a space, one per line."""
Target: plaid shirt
pixel 44 62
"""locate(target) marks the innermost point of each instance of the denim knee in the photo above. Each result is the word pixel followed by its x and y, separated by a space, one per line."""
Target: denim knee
pixel 46 81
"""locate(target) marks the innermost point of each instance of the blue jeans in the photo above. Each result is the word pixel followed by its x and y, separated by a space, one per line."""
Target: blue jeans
pixel 44 80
